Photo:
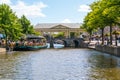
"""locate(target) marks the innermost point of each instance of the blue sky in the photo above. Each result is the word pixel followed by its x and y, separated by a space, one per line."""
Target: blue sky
pixel 51 11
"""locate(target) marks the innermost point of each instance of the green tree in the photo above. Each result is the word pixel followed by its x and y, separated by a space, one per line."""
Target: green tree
pixel 89 30
pixel 111 13
pixel 59 35
pixel 88 25
pixel 9 22
pixel 26 26
pixel 103 13
pixel 98 20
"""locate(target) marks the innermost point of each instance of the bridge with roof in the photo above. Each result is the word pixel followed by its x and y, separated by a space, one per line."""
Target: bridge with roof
pixel 67 28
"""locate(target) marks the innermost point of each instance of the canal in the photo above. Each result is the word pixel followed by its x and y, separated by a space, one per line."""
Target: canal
pixel 59 64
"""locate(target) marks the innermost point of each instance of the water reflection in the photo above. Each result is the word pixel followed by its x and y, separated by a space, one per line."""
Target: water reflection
pixel 104 67
pixel 102 61
pixel 59 64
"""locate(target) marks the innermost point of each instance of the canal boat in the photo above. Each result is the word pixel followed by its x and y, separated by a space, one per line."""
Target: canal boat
pixel 48 45
pixel 58 44
pixel 30 44
pixel 28 48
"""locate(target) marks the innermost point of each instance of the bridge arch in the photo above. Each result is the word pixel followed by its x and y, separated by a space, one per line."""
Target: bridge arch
pixel 65 43
pixel 76 43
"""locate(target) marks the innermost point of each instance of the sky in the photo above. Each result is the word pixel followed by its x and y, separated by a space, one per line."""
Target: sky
pixel 51 11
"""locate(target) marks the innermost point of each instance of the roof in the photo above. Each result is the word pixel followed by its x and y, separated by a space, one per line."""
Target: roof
pixel 50 25
pixel 34 37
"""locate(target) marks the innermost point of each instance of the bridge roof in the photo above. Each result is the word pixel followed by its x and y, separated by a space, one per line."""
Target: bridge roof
pixel 52 25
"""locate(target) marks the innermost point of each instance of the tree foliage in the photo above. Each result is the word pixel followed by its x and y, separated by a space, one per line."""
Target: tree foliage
pixel 103 13
pixel 59 35
pixel 9 22
pixel 12 26
pixel 26 26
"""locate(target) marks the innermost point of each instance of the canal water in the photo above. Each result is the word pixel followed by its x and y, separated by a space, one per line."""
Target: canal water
pixel 59 64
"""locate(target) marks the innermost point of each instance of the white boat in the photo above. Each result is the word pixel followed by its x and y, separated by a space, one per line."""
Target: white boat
pixel 48 45
pixel 56 45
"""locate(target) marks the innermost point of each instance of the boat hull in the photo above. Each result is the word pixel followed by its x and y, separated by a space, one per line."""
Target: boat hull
pixel 58 46
pixel 28 48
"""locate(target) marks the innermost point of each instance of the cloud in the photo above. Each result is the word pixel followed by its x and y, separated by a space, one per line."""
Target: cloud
pixel 31 11
pixel 34 10
pixel 5 1
pixel 66 21
pixel 84 8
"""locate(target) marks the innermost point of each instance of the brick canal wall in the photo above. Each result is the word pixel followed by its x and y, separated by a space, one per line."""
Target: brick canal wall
pixel 113 50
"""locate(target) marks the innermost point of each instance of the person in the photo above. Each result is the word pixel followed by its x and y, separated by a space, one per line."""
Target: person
pixel 3 43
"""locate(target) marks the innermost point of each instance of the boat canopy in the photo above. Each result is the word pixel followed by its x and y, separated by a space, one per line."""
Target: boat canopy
pixel 35 37
pixel 59 41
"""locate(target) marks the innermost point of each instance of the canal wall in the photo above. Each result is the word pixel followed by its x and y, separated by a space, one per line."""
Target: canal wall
pixel 113 50
pixel 2 50
pixel 70 42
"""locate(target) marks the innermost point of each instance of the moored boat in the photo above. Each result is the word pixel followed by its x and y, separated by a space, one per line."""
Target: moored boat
pixel 58 44
pixel 28 48
pixel 30 44
pixel 48 45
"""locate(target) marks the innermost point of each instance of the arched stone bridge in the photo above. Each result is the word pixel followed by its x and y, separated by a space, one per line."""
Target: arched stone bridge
pixel 71 42
pixel 74 42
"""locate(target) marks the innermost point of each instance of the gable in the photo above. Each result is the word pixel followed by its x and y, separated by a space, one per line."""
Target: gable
pixel 59 27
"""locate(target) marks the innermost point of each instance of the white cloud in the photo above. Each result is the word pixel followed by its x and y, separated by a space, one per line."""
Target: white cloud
pixel 5 1
pixel 32 11
pixel 66 21
pixel 84 8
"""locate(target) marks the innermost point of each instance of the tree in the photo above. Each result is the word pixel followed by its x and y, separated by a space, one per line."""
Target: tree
pixel 59 35
pixel 104 13
pixel 89 29
pixel 98 20
pixel 111 13
pixel 26 26
pixel 9 22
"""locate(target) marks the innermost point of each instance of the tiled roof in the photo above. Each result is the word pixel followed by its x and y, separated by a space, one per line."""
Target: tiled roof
pixel 50 25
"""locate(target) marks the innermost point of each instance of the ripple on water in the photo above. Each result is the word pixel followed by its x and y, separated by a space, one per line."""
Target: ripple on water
pixel 59 64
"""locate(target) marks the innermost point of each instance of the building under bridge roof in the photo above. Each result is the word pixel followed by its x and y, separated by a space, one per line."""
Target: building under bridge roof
pixel 67 28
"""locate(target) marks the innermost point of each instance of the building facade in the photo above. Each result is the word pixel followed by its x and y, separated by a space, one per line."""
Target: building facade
pixel 67 28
